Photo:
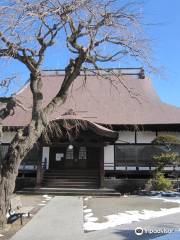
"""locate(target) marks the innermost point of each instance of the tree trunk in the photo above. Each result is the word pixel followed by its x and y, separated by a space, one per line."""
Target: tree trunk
pixel 18 149
pixel 6 189
pixel 21 144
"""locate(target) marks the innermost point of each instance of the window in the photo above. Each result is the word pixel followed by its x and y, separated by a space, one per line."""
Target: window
pixel 136 154
pixel 69 153
pixel 82 153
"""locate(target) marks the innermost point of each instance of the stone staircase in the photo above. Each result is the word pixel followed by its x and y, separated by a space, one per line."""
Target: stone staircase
pixel 71 179
pixel 70 183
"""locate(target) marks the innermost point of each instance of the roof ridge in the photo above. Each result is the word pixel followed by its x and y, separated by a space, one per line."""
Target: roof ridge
pixel 104 71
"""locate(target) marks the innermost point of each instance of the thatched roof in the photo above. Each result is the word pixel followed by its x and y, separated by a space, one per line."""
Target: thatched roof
pixel 128 100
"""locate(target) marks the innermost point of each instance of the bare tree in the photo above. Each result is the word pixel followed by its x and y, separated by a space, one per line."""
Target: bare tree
pixel 96 32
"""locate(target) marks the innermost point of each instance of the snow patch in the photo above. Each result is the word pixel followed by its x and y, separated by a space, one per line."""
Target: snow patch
pixel 87 198
pixel 167 199
pixel 41 204
pixel 125 195
pixel 88 215
pixel 45 196
pixel 92 219
pixel 127 218
pixel 1 235
pixel 48 198
pixel 87 210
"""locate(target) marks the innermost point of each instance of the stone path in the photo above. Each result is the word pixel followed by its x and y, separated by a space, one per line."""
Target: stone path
pixel 61 219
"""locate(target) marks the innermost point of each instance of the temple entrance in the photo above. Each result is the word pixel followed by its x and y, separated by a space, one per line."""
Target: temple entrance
pixel 77 162
pixel 57 157
pixel 74 157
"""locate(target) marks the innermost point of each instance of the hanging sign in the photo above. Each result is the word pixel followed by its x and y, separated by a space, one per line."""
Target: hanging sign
pixel 59 156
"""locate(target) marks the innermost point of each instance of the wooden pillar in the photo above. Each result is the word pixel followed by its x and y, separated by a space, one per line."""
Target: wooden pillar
pixel 39 174
pixel 102 167
pixel 40 170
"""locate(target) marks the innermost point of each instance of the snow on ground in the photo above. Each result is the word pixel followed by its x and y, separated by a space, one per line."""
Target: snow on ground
pixel 47 197
pixel 126 218
pixel 91 224
pixel 87 210
pixel 167 199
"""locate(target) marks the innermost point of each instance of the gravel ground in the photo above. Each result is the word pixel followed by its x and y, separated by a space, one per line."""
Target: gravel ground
pixel 36 202
pixel 124 209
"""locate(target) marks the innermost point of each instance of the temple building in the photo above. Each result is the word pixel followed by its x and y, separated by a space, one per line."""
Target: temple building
pixel 104 130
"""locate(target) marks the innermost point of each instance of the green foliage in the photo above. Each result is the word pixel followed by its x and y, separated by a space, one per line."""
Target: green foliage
pixel 166 140
pixel 168 157
pixel 162 183
pixel 164 159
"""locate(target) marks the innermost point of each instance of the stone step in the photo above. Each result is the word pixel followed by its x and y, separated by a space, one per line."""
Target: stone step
pixel 84 185
pixel 70 185
pixel 99 189
pixel 76 185
pixel 70 192
pixel 69 177
pixel 77 180
pixel 98 194
pixel 71 173
pixel 73 170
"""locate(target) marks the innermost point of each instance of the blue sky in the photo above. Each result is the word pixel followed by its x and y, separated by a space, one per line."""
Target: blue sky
pixel 166 46
pixel 164 30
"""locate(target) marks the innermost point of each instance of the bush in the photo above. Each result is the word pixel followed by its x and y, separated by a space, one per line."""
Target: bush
pixel 162 183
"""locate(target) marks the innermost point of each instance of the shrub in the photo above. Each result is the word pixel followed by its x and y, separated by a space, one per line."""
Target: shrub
pixel 162 183
pixel 164 159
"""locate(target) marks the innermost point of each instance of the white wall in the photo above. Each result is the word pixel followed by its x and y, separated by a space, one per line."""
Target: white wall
pixel 145 136
pixel 109 157
pixel 141 137
pixel 45 155
pixel 126 137
pixel 129 137
pixel 7 137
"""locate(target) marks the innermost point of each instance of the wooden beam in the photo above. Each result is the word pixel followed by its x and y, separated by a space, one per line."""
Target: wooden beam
pixel 101 167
